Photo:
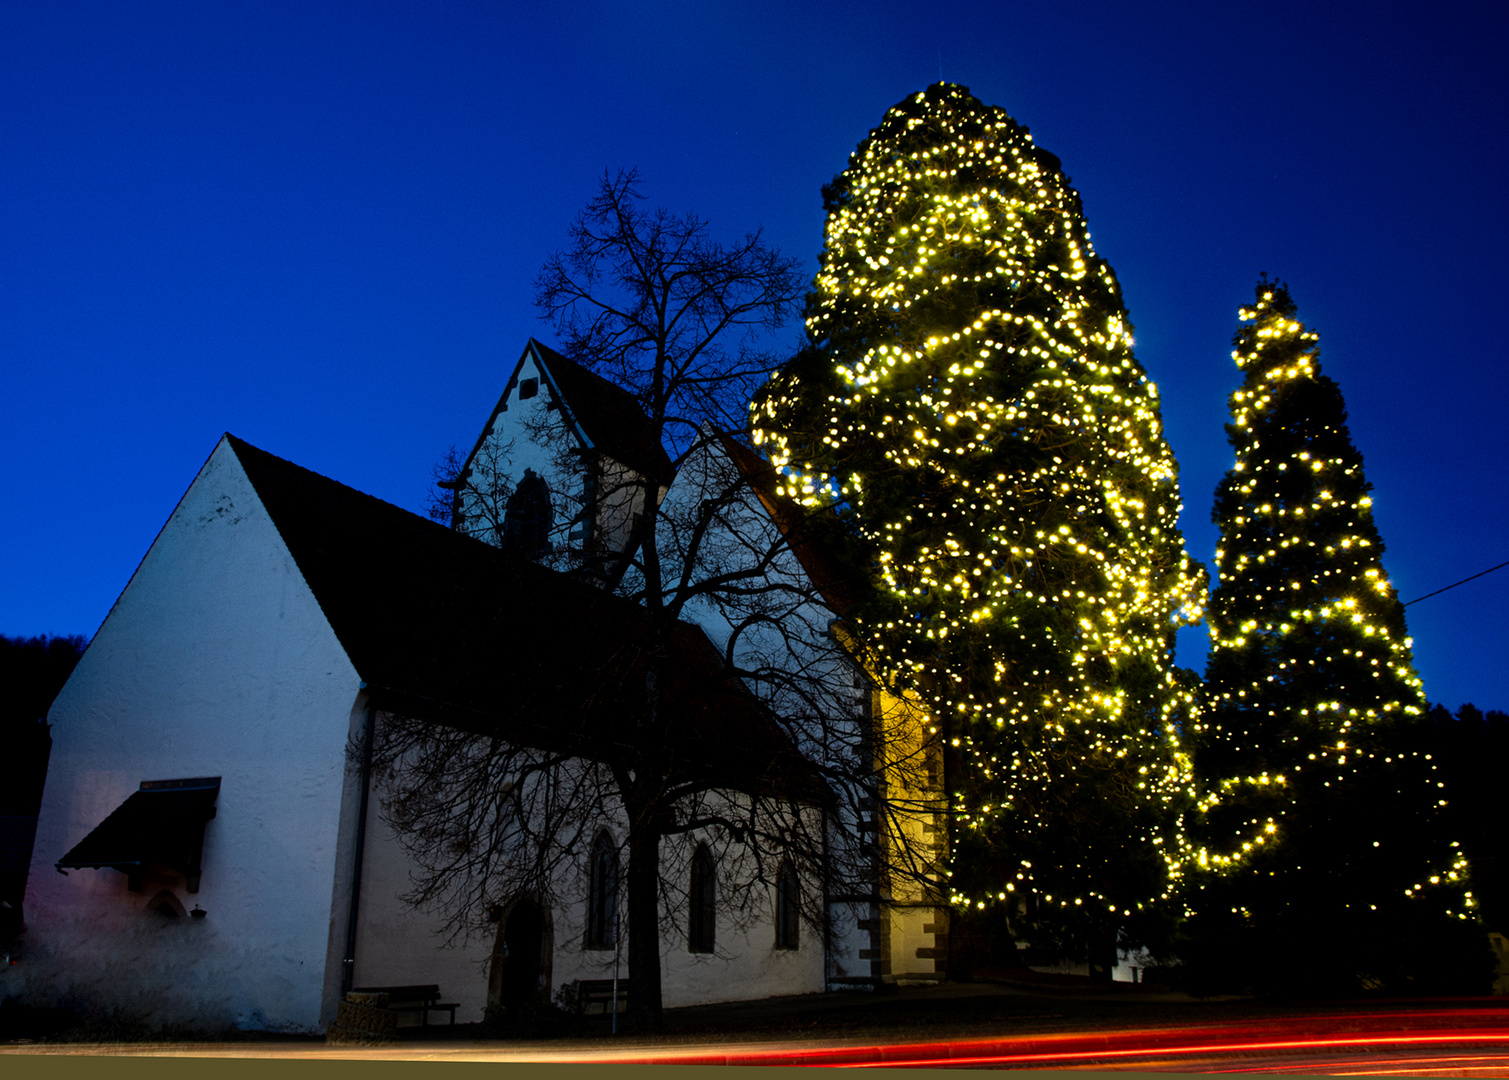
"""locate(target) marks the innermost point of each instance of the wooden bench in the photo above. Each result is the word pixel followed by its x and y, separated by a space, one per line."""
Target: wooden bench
pixel 423 998
pixel 592 992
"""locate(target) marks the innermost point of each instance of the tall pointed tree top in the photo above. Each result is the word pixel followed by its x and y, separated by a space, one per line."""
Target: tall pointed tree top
pixel 972 407
pixel 1276 336
pixel 1319 832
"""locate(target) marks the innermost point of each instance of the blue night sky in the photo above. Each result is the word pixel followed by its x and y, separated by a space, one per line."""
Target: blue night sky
pixel 316 225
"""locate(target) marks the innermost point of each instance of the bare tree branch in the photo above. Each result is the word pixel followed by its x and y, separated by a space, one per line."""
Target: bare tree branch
pixel 653 303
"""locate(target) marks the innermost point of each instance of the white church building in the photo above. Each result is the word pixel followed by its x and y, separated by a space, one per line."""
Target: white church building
pixel 209 850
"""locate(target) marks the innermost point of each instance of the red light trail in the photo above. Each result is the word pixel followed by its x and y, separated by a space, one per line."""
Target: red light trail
pixel 1338 1038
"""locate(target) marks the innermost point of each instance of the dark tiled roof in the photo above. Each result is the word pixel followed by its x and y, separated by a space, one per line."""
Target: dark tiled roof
pixel 442 626
pixel 812 536
pixel 609 415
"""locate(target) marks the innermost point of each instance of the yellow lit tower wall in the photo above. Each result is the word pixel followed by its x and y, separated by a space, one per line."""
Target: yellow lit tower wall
pixel 914 841
pixel 972 406
pixel 910 829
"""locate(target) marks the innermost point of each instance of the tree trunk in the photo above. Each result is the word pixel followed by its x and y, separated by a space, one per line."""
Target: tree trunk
pixel 644 1007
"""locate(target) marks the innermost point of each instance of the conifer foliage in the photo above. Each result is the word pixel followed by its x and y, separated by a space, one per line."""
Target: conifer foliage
pixel 970 403
pixel 1320 832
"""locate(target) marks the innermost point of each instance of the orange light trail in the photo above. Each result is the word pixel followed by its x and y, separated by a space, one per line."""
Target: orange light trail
pixel 1028 1051
pixel 1280 1045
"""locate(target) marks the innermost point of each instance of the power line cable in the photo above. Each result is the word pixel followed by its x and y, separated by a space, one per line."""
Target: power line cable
pixel 1454 584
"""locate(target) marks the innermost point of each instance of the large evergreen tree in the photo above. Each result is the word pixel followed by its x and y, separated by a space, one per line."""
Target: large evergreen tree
pixel 971 404
pixel 1321 833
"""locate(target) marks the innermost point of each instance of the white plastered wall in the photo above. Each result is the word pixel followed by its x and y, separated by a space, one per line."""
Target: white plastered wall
pixel 215 661
pixel 398 944
pixel 745 963
pixel 902 935
pixel 510 444
pixel 534 433
pixel 746 536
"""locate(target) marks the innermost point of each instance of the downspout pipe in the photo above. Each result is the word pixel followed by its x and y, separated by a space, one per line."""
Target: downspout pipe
pixel 348 962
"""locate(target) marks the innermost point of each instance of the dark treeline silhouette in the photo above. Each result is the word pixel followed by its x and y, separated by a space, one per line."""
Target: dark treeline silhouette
pixel 32 671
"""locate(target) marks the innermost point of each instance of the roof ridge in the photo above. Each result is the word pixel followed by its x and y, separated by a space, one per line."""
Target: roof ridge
pixel 442 622
pixel 238 443
pixel 615 421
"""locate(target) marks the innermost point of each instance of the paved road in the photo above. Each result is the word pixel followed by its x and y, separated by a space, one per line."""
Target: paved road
pixel 993 1026
pixel 1440 1038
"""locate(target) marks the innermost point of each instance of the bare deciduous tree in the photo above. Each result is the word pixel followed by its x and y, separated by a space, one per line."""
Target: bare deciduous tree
pixel 680 320
pixel 651 302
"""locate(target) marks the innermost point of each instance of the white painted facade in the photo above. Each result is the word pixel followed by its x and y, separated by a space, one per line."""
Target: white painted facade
pixel 397 945
pixel 763 635
pixel 886 926
pixel 215 661
pixel 595 498
pixel 218 661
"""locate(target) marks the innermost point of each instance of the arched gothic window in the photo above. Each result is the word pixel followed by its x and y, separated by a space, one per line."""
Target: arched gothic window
pixel 602 894
pixel 702 916
pixel 788 908
pixel 527 517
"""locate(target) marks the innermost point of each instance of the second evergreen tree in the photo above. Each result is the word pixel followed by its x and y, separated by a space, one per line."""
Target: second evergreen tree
pixel 1320 838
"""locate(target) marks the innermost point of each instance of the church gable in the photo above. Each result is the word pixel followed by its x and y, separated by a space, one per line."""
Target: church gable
pixel 198 763
pixel 559 472
pixel 526 435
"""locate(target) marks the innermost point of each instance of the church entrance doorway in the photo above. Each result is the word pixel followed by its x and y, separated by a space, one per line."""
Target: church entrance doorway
pixel 521 957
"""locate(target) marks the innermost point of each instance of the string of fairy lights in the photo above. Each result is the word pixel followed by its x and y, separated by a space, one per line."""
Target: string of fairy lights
pixel 980 414
pixel 1310 680
pixel 973 406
